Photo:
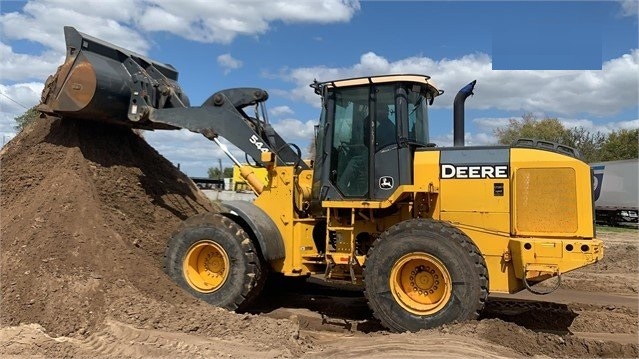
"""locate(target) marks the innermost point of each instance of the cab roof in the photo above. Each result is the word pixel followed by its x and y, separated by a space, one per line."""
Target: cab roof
pixel 367 80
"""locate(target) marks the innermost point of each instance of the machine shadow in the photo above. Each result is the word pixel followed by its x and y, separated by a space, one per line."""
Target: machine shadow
pixel 317 305
pixel 538 316
pixel 338 307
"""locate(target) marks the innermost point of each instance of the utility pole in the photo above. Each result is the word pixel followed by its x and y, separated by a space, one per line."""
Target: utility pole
pixel 219 160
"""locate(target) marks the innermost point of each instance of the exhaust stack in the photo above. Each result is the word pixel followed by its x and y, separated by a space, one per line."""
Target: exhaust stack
pixel 458 113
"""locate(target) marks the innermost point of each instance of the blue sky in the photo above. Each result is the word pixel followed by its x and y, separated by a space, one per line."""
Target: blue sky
pixel 575 60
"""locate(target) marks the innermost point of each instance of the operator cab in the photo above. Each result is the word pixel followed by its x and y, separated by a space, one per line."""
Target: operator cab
pixel 368 132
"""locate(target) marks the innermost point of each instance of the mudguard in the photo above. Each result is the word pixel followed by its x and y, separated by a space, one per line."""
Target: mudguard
pixel 261 226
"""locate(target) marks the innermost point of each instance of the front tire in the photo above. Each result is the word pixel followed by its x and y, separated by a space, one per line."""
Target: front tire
pixel 214 259
pixel 424 273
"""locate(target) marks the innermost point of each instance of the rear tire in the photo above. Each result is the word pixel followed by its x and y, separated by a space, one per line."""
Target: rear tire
pixel 214 259
pixel 424 273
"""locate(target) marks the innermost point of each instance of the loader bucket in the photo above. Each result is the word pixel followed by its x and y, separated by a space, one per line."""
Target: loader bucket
pixel 103 82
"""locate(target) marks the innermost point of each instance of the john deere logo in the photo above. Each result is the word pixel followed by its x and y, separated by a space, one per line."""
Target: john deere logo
pixel 386 182
pixel 476 171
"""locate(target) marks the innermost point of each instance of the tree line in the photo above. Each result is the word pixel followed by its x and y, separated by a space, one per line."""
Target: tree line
pixel 594 146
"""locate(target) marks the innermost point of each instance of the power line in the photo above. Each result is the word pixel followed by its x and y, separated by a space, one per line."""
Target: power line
pixel 14 101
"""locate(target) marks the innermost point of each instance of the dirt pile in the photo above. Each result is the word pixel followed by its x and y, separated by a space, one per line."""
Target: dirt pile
pixel 86 210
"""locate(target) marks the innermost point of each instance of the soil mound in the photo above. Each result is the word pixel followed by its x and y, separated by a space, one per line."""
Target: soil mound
pixel 86 210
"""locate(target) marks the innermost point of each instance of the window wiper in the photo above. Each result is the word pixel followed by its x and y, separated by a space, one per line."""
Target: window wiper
pixel 417 105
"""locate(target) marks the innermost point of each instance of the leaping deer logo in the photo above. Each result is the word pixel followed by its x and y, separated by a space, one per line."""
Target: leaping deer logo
pixel 386 182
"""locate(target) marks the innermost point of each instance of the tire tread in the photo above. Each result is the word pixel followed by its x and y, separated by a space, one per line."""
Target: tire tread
pixel 419 226
pixel 253 278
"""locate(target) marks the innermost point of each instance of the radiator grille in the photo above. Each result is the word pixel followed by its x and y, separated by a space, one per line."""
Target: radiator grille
pixel 546 200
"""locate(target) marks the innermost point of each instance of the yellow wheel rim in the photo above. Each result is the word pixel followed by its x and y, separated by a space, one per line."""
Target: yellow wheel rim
pixel 420 283
pixel 206 266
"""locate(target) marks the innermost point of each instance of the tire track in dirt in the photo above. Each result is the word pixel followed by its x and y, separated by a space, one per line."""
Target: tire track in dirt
pixel 407 345
pixel 120 340
pixel 107 343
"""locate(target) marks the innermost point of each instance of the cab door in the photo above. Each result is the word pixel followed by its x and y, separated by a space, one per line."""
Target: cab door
pixel 385 150
pixel 350 143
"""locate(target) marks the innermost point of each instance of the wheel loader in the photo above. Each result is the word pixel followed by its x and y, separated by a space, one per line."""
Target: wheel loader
pixel 426 231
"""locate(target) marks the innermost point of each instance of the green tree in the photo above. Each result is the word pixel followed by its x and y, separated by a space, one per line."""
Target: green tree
pixel 548 129
pixel 593 146
pixel 588 143
pixel 311 149
pixel 26 118
pixel 216 173
pixel 620 145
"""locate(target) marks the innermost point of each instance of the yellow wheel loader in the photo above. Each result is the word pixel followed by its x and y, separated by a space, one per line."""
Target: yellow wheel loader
pixel 427 231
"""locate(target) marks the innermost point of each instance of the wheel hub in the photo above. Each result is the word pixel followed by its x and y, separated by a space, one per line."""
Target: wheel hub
pixel 206 266
pixel 424 279
pixel 214 263
pixel 421 283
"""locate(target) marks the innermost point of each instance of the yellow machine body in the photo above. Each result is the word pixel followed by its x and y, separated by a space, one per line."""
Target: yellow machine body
pixel 539 225
pixel 528 210
pixel 239 183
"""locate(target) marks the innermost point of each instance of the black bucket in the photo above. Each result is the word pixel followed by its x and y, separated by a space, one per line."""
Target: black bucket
pixel 103 82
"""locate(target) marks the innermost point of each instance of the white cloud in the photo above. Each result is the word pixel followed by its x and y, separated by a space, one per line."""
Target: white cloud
pixel 279 111
pixel 14 101
pixel 445 73
pixel 221 21
pixel 228 63
pixel 125 23
pixel 604 128
pixel 18 98
pixel 470 139
pixel 122 21
pixel 42 22
pixel 629 7
pixel 293 130
pixel 491 123
pixel 192 151
pixel 602 93
pixel 158 19
pixel 12 67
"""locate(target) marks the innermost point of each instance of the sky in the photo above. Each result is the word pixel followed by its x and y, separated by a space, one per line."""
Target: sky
pixel 577 61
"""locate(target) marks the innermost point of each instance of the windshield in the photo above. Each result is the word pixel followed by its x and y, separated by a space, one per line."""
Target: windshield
pixel 417 117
